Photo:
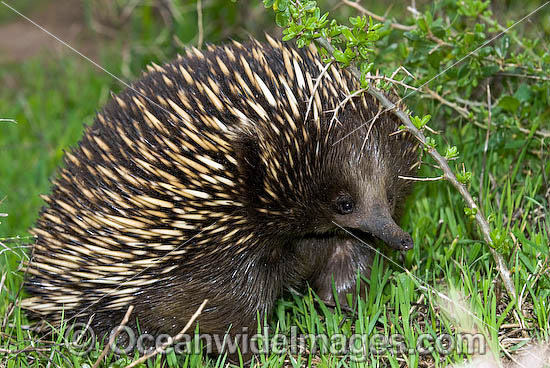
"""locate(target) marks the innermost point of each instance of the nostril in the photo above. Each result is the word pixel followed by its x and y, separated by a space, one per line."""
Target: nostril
pixel 407 243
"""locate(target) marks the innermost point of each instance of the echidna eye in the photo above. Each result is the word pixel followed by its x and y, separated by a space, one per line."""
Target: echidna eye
pixel 344 205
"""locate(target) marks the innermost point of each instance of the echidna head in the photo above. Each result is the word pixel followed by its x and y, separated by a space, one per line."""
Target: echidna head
pixel 365 203
pixel 319 177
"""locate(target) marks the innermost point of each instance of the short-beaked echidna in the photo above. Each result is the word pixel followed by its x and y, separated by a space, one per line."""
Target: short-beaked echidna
pixel 227 175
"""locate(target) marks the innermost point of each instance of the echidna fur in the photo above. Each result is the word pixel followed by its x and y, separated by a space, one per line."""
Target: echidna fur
pixel 205 180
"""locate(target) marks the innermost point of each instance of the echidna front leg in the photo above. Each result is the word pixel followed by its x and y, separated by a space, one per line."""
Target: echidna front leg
pixel 345 258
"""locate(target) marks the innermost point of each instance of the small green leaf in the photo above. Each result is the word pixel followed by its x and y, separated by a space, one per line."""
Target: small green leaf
pixel 422 24
pixel 281 5
pixel 349 53
pixel 376 27
pixel 282 19
pixel 487 71
pixel 497 238
pixel 509 103
pixel 420 123
pixel 413 35
pixel 451 153
pixel 364 52
pixel 438 31
pixel 346 32
pixel 425 120
pixel 503 46
pixel 310 6
pixel 289 36
pixel 523 93
pixel 366 67
pixel 416 121
pixel 430 142
pixel 429 19
pixel 470 212
pixel 464 177
pixel 340 57
pixel 363 80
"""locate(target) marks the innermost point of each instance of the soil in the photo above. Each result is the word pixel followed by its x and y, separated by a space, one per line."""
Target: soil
pixel 20 39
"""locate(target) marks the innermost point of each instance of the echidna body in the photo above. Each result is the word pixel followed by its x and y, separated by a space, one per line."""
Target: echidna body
pixel 230 175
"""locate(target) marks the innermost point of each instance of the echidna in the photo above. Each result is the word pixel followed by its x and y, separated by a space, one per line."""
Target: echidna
pixel 231 175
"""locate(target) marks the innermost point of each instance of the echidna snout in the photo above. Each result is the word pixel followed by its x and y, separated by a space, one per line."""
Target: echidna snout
pixel 381 224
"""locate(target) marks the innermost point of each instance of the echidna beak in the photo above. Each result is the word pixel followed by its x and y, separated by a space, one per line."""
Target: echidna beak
pixel 382 225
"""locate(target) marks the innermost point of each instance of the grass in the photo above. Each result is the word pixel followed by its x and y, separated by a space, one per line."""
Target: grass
pixel 52 100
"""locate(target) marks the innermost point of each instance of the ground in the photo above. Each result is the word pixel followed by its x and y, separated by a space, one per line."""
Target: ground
pixel 21 40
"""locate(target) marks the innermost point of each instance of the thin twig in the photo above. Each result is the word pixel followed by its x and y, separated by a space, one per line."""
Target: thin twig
pixel 199 25
pixel 523 76
pixel 469 103
pixel 28 349
pixel 341 105
pixel 173 340
pixel 486 146
pixel 540 133
pixel 393 81
pixel 447 172
pixel 402 68
pixel 420 179
pixel 461 110
pixel 317 84
pixel 113 337
pixel 380 111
